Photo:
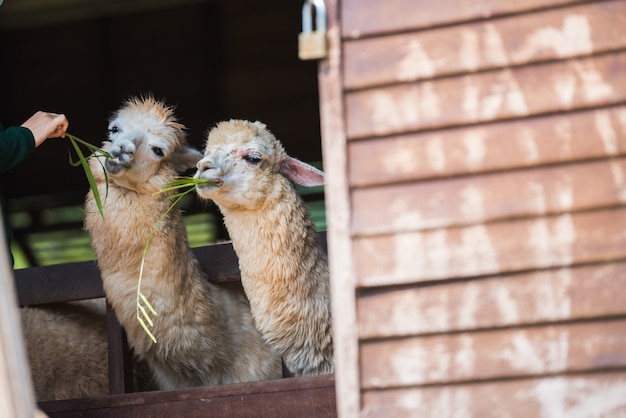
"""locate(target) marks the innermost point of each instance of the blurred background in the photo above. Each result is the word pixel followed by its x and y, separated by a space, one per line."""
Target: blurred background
pixel 212 60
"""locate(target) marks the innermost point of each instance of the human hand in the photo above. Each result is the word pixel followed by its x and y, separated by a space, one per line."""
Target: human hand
pixel 46 125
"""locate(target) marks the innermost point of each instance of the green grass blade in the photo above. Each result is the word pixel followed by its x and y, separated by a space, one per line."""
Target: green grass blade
pixel 169 189
pixel 179 195
pixel 181 183
pixel 94 149
pixel 85 164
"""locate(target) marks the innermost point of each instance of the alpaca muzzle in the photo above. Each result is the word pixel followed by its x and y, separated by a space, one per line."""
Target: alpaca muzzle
pixel 116 165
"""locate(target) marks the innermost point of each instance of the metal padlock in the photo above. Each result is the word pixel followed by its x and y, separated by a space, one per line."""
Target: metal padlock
pixel 312 43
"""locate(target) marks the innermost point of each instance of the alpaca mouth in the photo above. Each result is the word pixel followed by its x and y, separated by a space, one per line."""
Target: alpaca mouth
pixel 208 187
pixel 115 166
pixel 210 183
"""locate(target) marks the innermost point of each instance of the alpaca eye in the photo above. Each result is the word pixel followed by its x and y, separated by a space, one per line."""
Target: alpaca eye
pixel 114 129
pixel 252 159
pixel 158 151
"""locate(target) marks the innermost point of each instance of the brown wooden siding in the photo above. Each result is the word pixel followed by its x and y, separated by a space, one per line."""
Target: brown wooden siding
pixel 527 142
pixel 508 246
pixel 517 40
pixel 568 293
pixel 491 197
pixel 486 147
pixel 493 95
pixel 565 396
pixel 370 17
pixel 493 354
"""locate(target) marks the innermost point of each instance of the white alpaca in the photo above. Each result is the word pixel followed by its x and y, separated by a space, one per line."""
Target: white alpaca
pixel 206 334
pixel 284 270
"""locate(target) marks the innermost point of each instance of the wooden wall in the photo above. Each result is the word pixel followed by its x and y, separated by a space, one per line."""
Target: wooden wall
pixel 481 209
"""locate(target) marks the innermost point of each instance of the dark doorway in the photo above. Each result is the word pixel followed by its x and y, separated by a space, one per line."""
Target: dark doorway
pixel 213 60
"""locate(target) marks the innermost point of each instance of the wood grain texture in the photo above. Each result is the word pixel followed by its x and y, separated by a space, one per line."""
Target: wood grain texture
pixel 367 17
pixel 494 354
pixel 341 267
pixel 478 199
pixel 272 399
pixel 527 142
pixel 590 395
pixel 552 34
pixel 120 356
pixel 17 398
pixel 551 241
pixel 505 301
pixel 78 281
pixel 490 96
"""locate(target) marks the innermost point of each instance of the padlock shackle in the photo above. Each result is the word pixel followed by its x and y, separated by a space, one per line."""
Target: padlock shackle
pixel 320 16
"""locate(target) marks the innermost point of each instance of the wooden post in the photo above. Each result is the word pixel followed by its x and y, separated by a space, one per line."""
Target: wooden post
pixel 343 281
pixel 120 356
pixel 16 388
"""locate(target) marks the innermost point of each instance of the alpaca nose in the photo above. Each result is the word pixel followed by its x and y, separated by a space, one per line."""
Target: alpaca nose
pixel 204 164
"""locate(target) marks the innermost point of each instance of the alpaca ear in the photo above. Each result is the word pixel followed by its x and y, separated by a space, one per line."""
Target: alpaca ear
pixel 186 158
pixel 301 173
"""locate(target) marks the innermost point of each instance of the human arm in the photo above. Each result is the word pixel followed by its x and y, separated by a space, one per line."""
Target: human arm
pixel 46 125
pixel 18 141
pixel 15 144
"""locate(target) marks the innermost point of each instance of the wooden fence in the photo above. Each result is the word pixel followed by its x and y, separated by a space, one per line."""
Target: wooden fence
pixel 314 396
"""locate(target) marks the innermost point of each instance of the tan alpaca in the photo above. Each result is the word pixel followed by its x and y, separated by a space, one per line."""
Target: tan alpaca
pixel 66 344
pixel 205 333
pixel 284 271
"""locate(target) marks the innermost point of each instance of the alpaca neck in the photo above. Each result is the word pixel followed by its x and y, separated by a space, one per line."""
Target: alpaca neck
pixel 170 279
pixel 266 239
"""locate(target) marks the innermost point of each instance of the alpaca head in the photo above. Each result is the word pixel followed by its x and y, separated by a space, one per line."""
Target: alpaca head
pixel 147 145
pixel 243 161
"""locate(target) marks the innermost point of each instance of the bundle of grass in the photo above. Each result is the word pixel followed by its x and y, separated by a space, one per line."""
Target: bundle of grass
pixel 96 153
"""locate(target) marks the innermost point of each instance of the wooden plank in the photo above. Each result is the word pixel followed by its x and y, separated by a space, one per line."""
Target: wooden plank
pixel 78 281
pixel 58 283
pixel 17 398
pixel 591 395
pixel 340 263
pixel 468 200
pixel 494 354
pixel 502 94
pixel 553 34
pixel 119 356
pixel 293 397
pixel 219 262
pixel 550 241
pixel 505 301
pixel 367 17
pixel 521 143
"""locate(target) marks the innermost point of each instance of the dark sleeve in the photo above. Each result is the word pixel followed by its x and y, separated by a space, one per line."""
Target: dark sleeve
pixel 15 144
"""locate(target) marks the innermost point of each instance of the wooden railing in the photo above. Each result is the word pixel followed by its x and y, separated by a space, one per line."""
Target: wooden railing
pixel 80 281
